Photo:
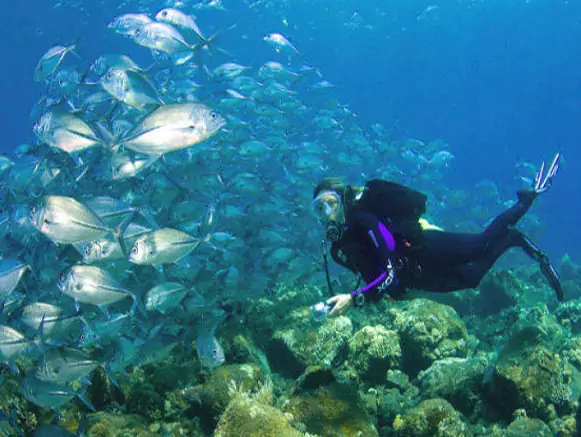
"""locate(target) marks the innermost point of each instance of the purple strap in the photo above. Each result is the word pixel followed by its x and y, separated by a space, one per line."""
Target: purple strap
pixel 369 286
pixel 387 237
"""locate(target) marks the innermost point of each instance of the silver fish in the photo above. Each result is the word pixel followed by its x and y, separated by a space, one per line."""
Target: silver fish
pixel 164 38
pixel 65 132
pixel 106 248
pixel 174 127
pixel 209 350
pixel 118 62
pixel 127 165
pixel 63 365
pixel 111 211
pixel 103 332
pixel 165 297
pixel 66 220
pixel 49 394
pixel 11 272
pixel 185 23
pixel 127 24
pixel 12 343
pixel 56 323
pixel 50 61
pixel 93 285
pixel 280 43
pixel 131 88
pixel 163 246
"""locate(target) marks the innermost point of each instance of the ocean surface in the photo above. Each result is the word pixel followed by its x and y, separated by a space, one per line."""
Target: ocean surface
pixel 498 81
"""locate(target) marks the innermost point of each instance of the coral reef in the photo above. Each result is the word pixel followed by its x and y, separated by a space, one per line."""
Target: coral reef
pixel 429 331
pixel 433 417
pixel 333 410
pixel 411 368
pixel 373 351
pixel 299 343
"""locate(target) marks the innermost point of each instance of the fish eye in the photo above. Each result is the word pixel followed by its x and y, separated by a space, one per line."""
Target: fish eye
pixel 164 14
pixel 213 115
pixel 79 286
pixel 87 250
pixel 134 250
pixel 62 277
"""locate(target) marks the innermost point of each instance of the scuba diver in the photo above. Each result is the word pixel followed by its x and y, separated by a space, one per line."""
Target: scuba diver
pixel 377 232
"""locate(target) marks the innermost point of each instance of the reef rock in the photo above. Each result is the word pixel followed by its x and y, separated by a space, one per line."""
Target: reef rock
pixel 215 394
pixel 531 378
pixel 246 416
pixel 526 427
pixel 335 410
pixel 458 380
pixel 431 418
pixel 569 315
pixel 373 351
pixel 429 331
pixel 300 342
pixel 498 290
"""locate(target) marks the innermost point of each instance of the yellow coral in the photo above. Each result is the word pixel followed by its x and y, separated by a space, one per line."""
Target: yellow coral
pixel 398 422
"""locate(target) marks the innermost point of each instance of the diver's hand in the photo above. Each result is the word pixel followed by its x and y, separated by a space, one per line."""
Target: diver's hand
pixel 340 304
pixel 543 181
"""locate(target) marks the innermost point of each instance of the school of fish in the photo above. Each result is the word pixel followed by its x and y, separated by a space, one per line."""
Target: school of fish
pixel 150 195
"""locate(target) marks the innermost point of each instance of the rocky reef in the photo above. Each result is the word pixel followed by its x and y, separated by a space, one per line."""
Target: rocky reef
pixel 497 361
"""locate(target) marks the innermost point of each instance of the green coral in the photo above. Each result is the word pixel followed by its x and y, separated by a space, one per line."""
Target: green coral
pixel 373 351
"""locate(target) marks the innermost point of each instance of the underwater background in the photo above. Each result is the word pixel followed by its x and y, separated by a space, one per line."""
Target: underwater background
pixel 498 81
pixel 462 100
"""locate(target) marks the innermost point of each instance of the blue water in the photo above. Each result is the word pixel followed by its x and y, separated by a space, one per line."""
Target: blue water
pixel 498 81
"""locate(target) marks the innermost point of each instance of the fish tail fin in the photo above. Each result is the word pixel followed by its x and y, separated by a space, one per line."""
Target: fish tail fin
pixel 82 395
pixel 138 303
pixel 109 372
pixel 72 48
pixel 110 140
pixel 39 338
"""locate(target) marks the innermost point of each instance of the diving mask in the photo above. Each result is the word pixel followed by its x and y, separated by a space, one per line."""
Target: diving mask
pixel 326 206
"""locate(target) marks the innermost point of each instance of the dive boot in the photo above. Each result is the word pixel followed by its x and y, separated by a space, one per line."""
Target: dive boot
pixel 547 269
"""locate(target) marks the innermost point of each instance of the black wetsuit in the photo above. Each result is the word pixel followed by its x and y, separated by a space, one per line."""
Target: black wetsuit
pixel 437 261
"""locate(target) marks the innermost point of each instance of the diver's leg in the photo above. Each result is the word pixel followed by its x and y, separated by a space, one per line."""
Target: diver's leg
pixel 511 216
pixel 470 274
